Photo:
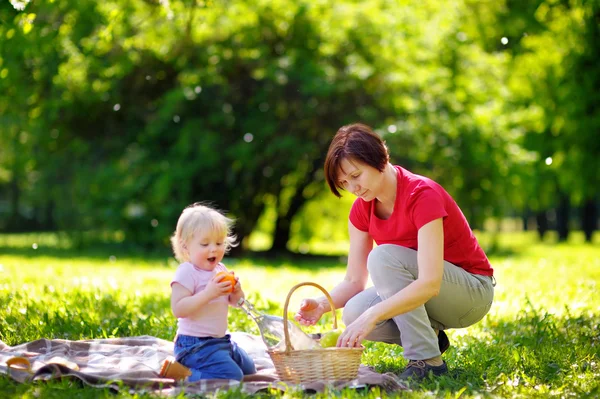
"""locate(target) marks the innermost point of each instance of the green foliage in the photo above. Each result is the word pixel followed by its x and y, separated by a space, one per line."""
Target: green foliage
pixel 540 339
pixel 453 129
pixel 115 114
pixel 554 82
pixel 151 108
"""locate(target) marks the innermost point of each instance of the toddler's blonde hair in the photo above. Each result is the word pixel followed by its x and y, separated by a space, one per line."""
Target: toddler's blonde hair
pixel 200 218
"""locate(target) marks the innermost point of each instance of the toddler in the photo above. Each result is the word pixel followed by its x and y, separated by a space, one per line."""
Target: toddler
pixel 200 300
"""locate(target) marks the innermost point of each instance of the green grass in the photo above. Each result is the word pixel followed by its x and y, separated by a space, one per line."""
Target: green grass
pixel 541 338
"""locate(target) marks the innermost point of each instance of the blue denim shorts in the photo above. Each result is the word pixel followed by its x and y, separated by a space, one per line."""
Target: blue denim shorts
pixel 213 358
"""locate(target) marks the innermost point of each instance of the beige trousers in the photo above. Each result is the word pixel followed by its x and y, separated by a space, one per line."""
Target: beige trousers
pixel 463 300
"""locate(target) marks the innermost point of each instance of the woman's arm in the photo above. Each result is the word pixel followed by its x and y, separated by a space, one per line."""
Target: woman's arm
pixel 354 282
pixel 357 275
pixel 430 260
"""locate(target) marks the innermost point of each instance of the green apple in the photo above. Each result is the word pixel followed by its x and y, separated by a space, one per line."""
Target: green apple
pixel 329 339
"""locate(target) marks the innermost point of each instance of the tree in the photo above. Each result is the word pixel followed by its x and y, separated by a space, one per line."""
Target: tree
pixel 555 77
pixel 153 109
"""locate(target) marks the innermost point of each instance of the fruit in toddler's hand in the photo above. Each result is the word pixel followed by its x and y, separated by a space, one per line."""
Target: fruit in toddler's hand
pixel 329 339
pixel 226 276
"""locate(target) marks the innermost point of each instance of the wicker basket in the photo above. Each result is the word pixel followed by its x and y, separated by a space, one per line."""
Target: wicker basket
pixel 310 365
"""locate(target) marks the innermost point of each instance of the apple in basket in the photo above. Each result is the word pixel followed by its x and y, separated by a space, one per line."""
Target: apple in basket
pixel 330 338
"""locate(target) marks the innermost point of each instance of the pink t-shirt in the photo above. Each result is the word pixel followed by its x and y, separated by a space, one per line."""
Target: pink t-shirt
pixel 211 319
pixel 420 200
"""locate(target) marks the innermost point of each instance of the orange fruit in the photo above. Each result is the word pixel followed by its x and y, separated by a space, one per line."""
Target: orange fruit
pixel 226 276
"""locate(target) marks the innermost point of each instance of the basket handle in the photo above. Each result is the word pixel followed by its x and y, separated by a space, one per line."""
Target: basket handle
pixel 288 344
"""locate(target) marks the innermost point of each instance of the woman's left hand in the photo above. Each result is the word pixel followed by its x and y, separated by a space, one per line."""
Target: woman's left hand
pixel 357 331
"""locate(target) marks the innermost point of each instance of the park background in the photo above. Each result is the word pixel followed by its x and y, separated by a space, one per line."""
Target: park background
pixel 115 115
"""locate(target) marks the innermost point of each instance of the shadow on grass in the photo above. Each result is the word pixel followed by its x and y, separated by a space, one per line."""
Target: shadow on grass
pixel 535 349
pixel 99 252
pixel 292 259
pixel 106 251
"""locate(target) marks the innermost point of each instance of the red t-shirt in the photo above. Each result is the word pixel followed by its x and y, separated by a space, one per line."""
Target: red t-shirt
pixel 420 200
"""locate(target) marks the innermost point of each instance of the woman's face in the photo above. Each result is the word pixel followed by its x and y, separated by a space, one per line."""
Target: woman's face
pixel 360 179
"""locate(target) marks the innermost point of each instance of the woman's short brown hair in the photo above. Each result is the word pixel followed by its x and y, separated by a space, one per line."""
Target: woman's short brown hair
pixel 358 142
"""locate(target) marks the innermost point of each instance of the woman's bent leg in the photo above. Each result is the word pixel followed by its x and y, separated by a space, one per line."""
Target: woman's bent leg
pixel 386 331
pixel 463 299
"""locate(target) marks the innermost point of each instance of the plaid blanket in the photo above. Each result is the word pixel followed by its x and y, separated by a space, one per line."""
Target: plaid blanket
pixel 133 363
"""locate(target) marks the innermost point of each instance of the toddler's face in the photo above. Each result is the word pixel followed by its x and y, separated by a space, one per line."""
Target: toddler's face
pixel 206 250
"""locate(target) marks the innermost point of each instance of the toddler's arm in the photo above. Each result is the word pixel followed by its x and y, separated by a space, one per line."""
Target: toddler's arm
pixel 184 304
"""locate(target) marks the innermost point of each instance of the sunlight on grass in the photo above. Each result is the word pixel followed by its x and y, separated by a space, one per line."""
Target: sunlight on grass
pixel 540 339
pixel 557 278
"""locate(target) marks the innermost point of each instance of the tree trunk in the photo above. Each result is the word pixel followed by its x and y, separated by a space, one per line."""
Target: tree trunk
pixel 245 226
pixel 541 219
pixel 282 233
pixel 15 194
pixel 562 218
pixel 14 219
pixel 525 219
pixel 50 223
pixel 589 219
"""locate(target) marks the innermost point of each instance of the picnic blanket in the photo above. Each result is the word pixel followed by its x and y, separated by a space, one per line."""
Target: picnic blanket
pixel 133 363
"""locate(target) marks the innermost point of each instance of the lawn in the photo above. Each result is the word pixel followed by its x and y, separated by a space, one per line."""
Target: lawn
pixel 541 338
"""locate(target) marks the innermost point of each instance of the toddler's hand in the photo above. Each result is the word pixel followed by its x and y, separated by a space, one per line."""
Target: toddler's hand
pixel 237 288
pixel 218 287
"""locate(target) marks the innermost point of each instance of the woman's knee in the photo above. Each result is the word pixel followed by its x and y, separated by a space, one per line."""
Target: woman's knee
pixel 383 258
pixel 351 312
pixel 358 304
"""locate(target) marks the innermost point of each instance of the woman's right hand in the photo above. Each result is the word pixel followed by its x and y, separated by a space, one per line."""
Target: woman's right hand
pixel 310 312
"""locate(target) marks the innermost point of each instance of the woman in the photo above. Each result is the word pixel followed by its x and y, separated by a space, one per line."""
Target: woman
pixel 428 271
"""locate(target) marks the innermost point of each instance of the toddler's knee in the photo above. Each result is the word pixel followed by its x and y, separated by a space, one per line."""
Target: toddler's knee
pixel 235 373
